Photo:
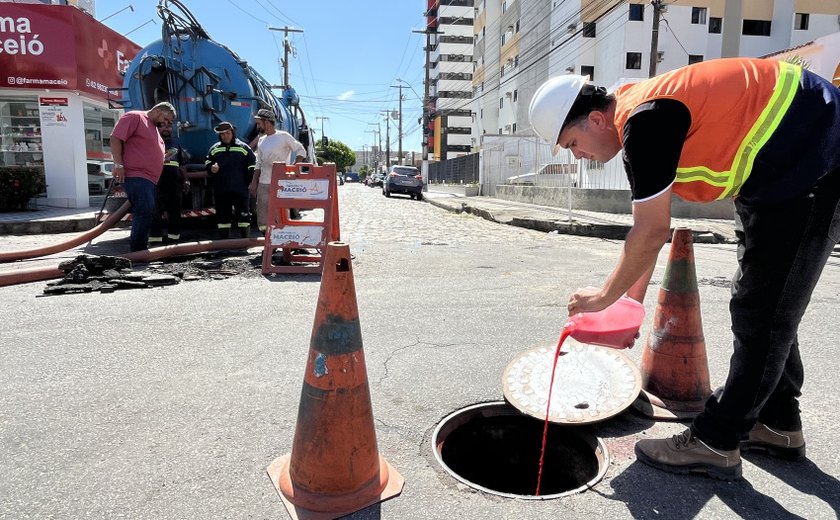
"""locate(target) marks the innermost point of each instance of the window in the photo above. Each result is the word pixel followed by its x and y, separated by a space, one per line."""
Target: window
pixel 800 22
pixel 756 28
pixel 513 128
pixel 504 10
pixel 516 95
pixel 637 12
pixel 589 29
pixel 715 25
pixel 698 15
pixel 501 103
pixel 588 70
pixel 517 26
pixel 634 60
pixel 695 58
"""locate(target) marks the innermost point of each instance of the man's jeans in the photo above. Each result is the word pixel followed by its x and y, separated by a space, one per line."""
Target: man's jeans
pixel 142 194
pixel 782 249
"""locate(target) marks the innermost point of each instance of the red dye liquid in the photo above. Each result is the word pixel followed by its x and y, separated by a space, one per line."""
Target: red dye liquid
pixel 621 338
pixel 567 330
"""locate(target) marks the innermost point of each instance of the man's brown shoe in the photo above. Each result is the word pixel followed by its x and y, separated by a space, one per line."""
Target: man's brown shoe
pixel 685 453
pixel 778 443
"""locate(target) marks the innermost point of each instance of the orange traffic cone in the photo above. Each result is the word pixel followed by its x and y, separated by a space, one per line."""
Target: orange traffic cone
pixel 334 468
pixel 675 370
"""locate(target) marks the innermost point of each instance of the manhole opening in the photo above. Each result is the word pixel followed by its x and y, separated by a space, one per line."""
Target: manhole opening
pixel 495 448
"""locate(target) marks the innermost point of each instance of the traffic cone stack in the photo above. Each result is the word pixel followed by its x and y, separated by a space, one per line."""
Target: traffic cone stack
pixel 334 468
pixel 675 370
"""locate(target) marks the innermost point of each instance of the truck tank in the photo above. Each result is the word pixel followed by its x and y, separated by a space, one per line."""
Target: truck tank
pixel 207 83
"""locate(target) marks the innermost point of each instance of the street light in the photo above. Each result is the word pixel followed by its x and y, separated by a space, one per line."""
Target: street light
pixel 129 6
pixel 150 20
pixel 412 89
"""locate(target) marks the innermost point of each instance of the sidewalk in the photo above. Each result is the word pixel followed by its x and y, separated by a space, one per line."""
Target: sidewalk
pixel 582 222
pixel 540 218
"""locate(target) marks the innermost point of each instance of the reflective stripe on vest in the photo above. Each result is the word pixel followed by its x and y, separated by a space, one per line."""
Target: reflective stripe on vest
pixel 767 122
pixel 172 163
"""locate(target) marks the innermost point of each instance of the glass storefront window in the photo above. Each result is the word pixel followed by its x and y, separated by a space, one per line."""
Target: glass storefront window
pixel 99 122
pixel 20 132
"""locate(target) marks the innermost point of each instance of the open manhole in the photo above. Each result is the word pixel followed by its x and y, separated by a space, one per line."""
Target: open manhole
pixel 495 448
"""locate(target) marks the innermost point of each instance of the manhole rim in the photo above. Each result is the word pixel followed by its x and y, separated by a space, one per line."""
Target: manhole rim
pixel 503 408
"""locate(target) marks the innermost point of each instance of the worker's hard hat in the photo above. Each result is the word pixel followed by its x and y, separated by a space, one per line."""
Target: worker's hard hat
pixel 551 104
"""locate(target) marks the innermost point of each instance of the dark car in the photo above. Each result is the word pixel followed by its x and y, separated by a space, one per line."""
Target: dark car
pixel 403 179
pixel 351 177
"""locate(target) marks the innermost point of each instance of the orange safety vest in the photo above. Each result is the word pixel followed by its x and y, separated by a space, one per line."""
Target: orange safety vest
pixel 735 104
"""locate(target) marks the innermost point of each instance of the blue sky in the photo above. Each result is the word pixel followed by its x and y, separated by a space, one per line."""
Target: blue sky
pixel 348 56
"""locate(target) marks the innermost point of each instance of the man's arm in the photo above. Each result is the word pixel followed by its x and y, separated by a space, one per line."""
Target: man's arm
pixel 117 154
pixel 651 230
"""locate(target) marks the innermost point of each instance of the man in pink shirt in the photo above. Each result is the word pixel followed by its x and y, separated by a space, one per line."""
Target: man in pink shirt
pixel 138 152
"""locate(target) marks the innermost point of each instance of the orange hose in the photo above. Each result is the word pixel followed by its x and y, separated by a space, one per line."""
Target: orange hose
pixel 111 221
pixel 47 273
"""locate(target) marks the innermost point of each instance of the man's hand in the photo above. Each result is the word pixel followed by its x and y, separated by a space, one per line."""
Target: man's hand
pixel 588 299
pixel 186 186
pixel 214 168
pixel 252 188
pixel 118 174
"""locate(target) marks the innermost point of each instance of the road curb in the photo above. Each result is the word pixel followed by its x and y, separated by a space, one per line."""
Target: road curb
pixel 39 227
pixel 577 228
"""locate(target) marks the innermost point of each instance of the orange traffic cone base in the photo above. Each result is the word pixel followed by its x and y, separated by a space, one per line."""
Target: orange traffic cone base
pixel 666 410
pixel 278 472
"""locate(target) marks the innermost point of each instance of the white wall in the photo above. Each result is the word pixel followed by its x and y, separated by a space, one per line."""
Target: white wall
pixel 65 165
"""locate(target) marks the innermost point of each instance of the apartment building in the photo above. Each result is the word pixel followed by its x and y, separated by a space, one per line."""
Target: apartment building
pixel 521 43
pixel 450 78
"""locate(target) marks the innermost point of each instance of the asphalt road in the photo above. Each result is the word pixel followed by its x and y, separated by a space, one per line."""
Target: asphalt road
pixel 171 402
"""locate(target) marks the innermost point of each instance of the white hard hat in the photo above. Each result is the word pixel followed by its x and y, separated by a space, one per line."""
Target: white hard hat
pixel 551 104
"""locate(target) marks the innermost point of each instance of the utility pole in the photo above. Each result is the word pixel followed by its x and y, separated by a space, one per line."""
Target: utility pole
pixel 387 138
pixel 399 130
pixel 378 133
pixel 732 21
pixel 654 37
pixel 286 48
pixel 375 155
pixel 322 119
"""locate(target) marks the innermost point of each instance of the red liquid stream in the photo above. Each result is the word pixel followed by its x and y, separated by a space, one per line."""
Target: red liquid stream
pixel 567 330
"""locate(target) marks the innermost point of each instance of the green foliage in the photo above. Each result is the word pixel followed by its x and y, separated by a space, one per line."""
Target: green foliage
pixel 336 152
pixel 18 184
pixel 364 171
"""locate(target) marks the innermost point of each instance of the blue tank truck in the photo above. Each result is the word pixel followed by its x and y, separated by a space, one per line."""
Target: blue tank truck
pixel 207 83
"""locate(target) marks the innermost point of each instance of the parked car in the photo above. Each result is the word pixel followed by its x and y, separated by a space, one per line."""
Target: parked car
pixel 376 180
pixel 351 177
pixel 403 179
pixel 340 178
pixel 100 175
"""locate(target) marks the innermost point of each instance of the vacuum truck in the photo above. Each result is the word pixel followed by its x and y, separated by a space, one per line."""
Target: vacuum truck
pixel 207 83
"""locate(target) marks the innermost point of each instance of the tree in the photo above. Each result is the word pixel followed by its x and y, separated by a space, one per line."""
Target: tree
pixel 336 152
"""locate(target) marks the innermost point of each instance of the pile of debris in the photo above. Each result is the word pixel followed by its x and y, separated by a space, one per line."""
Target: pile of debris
pixel 91 273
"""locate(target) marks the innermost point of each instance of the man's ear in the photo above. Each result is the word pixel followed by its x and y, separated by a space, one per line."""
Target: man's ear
pixel 597 118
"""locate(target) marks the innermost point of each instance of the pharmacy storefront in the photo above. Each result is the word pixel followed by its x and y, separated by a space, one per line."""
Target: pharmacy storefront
pixel 57 65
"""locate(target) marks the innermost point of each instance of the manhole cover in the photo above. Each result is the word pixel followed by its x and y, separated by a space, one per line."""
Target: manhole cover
pixel 591 383
pixel 494 448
